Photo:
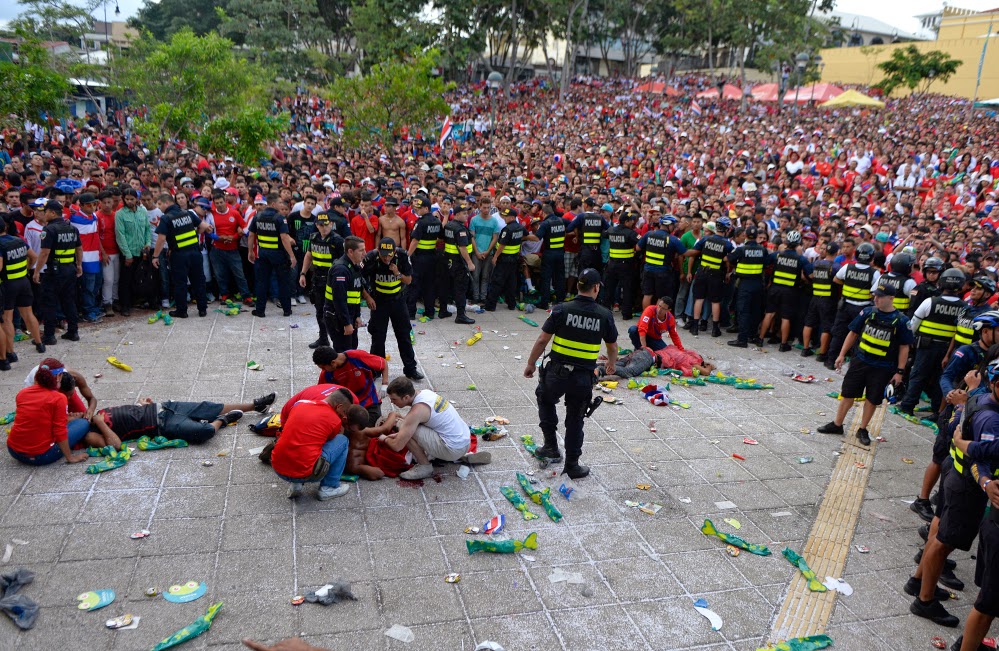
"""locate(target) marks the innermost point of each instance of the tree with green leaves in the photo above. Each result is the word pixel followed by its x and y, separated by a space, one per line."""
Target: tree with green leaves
pixel 31 88
pixel 392 95
pixel 195 88
pixel 164 18
pixel 387 30
pixel 910 68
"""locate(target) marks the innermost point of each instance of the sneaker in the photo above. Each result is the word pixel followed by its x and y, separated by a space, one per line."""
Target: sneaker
pixel 830 428
pixel 287 312
pixel 913 586
pixel 757 341
pixel 948 579
pixel 329 492
pixel 108 310
pixel 202 313
pixel 165 303
pixel 319 342
pixel 230 417
pixel 47 341
pixel 445 314
pixel 783 348
pixel 419 471
pixel 863 436
pixel 178 315
pixel 40 347
pixel 820 358
pixel 257 313
pixel 550 453
pixel 576 470
pixel 70 336
pixel 735 343
pixel 716 330
pixel 261 404
pixel 477 458
pixel 732 330
pixel 924 532
pixel 415 376
pixel 981 647
pixel 830 364
pixel 295 490
pixel 807 352
pixel 773 339
pixel 934 612
pixel 461 319
pixel 302 300
pixel 4 365
pixel 12 358
pixel 923 509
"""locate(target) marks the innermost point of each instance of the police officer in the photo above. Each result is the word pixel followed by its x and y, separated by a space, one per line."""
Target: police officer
pixel 180 229
pixel 551 232
pixel 982 289
pixel 341 225
pixel 822 308
pixel 61 256
pixel 934 323
pixel 575 330
pixel 387 271
pixel 709 282
pixel 17 294
pixel 458 261
pixel 898 279
pixel 592 229
pixel 783 297
pixel 748 261
pixel 344 290
pixel 929 288
pixel 272 251
pixel 324 246
pixel 659 246
pixel 506 262
pixel 857 280
pixel 621 267
pixel 423 253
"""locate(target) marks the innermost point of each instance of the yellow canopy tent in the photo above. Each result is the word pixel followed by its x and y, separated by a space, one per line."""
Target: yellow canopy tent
pixel 852 98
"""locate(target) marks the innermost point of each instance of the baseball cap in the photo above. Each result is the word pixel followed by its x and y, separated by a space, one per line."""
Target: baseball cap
pixel 386 246
pixel 590 201
pixel 508 212
pixel 186 181
pixel 883 290
pixel 259 200
pixel 39 203
pixel 607 207
pixel 322 218
pixel 391 201
pixel 204 202
pixel 87 197
pixel 336 202
pixel 590 277
pixel 419 202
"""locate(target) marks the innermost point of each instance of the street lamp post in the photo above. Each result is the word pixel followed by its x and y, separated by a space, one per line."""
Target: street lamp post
pixel 801 61
pixel 494 81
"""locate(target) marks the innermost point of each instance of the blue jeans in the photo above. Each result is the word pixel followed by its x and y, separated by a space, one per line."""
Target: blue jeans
pixel 90 291
pixel 228 269
pixel 636 342
pixel 334 451
pixel 75 430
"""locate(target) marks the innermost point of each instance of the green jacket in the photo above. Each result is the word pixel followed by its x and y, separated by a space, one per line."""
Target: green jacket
pixel 132 231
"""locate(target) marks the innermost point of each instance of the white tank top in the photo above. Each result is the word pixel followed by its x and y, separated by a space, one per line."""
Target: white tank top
pixel 444 419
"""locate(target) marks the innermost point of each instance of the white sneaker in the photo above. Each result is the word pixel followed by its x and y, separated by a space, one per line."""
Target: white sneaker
pixel 327 492
pixel 295 490
pixel 301 300
pixel 165 303
pixel 419 471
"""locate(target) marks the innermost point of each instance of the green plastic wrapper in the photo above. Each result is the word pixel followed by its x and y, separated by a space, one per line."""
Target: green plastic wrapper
pixel 192 630
pixel 708 529
pixel 542 498
pixel 518 502
pixel 496 547
pixel 795 559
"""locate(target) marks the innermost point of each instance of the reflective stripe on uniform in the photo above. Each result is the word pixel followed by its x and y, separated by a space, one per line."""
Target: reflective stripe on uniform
pixel 874 345
pixel 427 245
pixel 748 269
pixel 65 256
pixel 936 329
pixel 785 278
pixel 963 335
pixel 393 287
pixel 266 241
pixel 711 262
pixel 622 254
pixel 575 349
pixel 821 289
pixel 16 270
pixel 857 293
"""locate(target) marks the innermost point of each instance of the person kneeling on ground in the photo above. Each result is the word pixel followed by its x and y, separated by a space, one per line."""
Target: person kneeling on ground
pixel 431 430
pixel 42 433
pixel 194 422
pixel 311 447
pixel 655 321
pixel 885 340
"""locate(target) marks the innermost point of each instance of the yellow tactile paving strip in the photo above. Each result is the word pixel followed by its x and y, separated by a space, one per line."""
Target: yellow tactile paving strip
pixel 804 612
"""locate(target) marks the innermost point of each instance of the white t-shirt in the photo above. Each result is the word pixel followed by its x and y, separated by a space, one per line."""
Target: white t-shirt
pixel 444 420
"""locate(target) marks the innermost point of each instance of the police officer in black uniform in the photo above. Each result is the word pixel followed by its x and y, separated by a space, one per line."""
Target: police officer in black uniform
pixel 344 290
pixel 18 260
pixel 423 253
pixel 822 308
pixel 458 261
pixel 783 297
pixel 747 261
pixel 857 280
pixel 659 246
pixel 593 228
pixel 61 255
pixel 621 267
pixel 275 254
pixel 387 271
pixel 929 288
pixel 982 289
pixel 506 262
pixel 575 330
pixel 899 280
pixel 324 247
pixel 551 232
pixel 341 225
pixel 709 281
pixel 180 229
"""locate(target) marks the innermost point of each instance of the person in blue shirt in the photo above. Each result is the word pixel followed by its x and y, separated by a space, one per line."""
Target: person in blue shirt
pixel 884 339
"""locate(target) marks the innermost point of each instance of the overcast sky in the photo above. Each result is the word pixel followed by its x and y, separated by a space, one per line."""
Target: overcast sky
pixel 897 13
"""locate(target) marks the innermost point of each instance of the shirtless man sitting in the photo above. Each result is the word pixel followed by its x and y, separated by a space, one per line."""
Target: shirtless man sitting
pixel 357 453
pixel 431 430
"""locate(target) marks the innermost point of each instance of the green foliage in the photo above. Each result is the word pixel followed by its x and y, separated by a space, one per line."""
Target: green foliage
pixel 55 20
pixel 194 87
pixel 165 18
pixel 387 30
pixel 31 88
pixel 915 70
pixel 242 134
pixel 390 96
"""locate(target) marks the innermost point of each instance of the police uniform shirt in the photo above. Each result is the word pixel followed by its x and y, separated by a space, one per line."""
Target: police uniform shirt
pixel 622 242
pixel 923 291
pixel 577 328
pixel 15 257
pixel 269 226
pixel 749 260
pixel 325 250
pixel 879 328
pixel 340 224
pixel 937 317
pixel 592 228
pixel 901 286
pixel 789 267
pixel 178 225
pixel 427 231
pixel 713 249
pixel 659 248
pixel 343 289
pixel 381 281
pixel 965 333
pixel 552 232
pixel 984 448
pixel 854 272
pixel 62 240
pixel 510 238
pixel 456 237
pixel 823 272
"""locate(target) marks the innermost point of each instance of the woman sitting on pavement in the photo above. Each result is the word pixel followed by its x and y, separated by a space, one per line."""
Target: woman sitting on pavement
pixel 42 432
pixel 75 394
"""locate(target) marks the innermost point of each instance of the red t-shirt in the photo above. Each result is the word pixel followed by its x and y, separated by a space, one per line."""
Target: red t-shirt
pixel 358 228
pixel 315 392
pixel 650 325
pixel 571 241
pixel 310 425
pixel 226 224
pixel 105 230
pixel 40 421
pixel 358 375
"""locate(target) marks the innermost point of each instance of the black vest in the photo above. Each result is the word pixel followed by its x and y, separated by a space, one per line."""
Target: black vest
pixel 593 228
pixel 787 269
pixel 857 284
pixel 657 248
pixel 577 340
pixel 822 279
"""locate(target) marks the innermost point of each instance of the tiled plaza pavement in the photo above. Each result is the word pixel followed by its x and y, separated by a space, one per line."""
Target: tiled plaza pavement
pixel 232 526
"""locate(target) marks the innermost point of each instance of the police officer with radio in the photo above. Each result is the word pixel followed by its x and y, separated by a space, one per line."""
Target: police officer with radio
pixel 423 253
pixel 858 279
pixel 621 271
pixel 551 232
pixel 575 330
pixel 387 271
pixel 344 290
pixel 748 261
pixel 324 247
pixel 61 256
pixel 271 252
pixel 659 246
pixel 458 262
pixel 180 229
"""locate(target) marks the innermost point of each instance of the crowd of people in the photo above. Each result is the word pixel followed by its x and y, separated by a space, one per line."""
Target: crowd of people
pixel 852 233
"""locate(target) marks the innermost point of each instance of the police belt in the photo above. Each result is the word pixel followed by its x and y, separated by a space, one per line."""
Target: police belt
pixel 562 369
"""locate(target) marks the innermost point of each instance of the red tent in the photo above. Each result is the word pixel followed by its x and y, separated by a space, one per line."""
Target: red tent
pixel 728 92
pixel 658 88
pixel 819 92
pixel 766 92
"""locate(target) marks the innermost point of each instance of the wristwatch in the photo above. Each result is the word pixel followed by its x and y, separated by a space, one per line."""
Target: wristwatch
pixel 986 484
pixel 900 371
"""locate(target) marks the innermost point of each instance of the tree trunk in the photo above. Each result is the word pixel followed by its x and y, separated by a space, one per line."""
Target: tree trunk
pixel 513 51
pixel 711 51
